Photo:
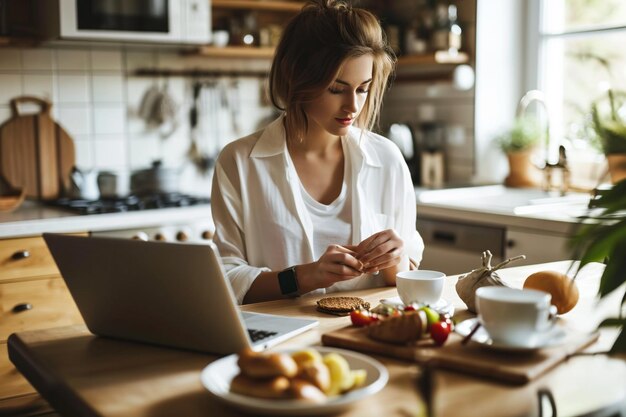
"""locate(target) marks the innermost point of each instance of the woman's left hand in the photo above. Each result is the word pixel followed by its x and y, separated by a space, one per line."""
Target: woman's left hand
pixel 380 251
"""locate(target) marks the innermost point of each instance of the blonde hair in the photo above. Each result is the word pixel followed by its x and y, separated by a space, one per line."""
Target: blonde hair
pixel 312 50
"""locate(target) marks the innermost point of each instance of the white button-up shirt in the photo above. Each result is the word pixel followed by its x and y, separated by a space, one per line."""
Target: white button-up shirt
pixel 262 223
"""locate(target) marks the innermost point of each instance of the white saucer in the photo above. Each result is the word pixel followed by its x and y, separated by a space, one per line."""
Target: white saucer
pixel 442 306
pixel 553 337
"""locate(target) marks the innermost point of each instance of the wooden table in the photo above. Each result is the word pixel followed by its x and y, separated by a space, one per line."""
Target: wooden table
pixel 84 375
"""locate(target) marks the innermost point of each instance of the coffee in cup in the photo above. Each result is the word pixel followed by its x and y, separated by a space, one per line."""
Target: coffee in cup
pixel 420 286
pixel 515 317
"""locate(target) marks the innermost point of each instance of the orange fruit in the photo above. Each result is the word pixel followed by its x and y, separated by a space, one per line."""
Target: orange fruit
pixel 562 288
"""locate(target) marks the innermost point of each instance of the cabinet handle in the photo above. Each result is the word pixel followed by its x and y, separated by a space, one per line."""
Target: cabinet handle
pixel 441 236
pixel 18 308
pixel 182 236
pixel 207 235
pixel 510 243
pixel 20 254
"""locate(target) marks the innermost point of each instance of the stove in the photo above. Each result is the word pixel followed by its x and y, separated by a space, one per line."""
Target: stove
pixel 130 203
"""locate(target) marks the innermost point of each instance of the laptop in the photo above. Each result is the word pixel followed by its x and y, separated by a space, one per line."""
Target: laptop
pixel 169 294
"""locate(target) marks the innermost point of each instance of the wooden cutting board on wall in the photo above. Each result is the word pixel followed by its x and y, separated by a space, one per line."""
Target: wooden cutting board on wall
pixel 36 153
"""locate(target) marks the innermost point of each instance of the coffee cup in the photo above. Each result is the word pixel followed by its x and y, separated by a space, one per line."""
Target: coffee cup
pixel 515 317
pixel 420 286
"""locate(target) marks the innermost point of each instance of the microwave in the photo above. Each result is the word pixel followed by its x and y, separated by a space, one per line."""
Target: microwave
pixel 158 21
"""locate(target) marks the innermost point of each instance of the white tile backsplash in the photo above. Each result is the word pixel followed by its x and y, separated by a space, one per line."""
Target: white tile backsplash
pixel 5 114
pixel 143 150
pixel 74 88
pixel 140 60
pixel 76 120
pixel 10 87
pixel 72 59
pixel 109 120
pixel 40 59
pixel 39 85
pixel 95 97
pixel 108 88
pixel 84 152
pixel 10 59
pixel 106 60
pixel 110 153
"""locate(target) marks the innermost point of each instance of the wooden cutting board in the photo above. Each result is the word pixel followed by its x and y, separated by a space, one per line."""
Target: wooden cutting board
pixel 512 368
pixel 36 153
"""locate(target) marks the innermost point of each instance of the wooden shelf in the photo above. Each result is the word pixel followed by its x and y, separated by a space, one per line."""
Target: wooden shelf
pixel 436 58
pixel 275 6
pixel 18 41
pixel 198 73
pixel 235 52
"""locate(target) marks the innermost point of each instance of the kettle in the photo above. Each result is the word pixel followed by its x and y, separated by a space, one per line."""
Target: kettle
pixel 403 136
pixel 84 184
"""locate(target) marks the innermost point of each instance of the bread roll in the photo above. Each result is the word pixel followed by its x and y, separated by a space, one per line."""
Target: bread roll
pixel 266 365
pixel 406 328
pixel 316 373
pixel 272 388
pixel 305 391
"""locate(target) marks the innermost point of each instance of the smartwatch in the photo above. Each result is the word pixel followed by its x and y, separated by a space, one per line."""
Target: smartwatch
pixel 288 282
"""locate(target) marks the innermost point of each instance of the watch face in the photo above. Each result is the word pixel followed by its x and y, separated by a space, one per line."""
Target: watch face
pixel 287 281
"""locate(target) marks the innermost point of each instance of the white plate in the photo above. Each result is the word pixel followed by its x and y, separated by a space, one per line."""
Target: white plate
pixel 554 337
pixel 216 378
pixel 442 306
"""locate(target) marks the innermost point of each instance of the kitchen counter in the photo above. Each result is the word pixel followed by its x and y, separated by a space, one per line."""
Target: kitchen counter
pixel 507 207
pixel 34 219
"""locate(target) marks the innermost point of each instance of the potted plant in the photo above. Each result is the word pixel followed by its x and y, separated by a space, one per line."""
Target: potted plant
pixel 609 125
pixel 601 237
pixel 518 144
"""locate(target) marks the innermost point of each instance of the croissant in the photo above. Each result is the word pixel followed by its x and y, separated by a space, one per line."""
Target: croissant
pixel 405 328
pixel 485 276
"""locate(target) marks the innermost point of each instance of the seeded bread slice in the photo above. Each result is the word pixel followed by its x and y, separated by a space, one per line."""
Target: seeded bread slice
pixel 341 306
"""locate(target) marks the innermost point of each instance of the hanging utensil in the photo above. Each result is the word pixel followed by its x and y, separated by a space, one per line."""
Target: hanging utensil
pixel 201 160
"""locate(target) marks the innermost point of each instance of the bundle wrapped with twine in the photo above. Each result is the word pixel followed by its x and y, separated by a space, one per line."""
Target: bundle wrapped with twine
pixel 485 276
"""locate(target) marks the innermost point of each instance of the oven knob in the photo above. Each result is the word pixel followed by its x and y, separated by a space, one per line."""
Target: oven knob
pixel 140 236
pixel 207 235
pixel 160 237
pixel 182 236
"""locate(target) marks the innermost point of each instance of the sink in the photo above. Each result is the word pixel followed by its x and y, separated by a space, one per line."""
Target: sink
pixel 507 200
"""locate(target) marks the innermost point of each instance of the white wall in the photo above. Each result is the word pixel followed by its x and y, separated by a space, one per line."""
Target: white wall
pixel 500 79
pixel 95 97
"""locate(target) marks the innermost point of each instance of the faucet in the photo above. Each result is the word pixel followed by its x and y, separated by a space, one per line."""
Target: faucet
pixel 528 98
pixel 548 168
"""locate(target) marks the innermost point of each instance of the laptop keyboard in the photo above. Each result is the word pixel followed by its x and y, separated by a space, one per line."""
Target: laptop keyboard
pixel 256 335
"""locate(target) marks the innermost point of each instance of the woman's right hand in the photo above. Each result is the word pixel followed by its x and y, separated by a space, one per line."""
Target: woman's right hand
pixel 337 263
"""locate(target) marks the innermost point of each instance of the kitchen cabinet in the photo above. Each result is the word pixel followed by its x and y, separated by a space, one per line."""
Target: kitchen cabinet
pixel 32 296
pixel 454 246
pixel 538 247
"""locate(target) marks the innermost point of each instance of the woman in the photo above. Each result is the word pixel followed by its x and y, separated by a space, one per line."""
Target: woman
pixel 315 201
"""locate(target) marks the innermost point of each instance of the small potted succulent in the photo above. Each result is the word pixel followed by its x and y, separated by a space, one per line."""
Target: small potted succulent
pixel 601 237
pixel 519 143
pixel 609 125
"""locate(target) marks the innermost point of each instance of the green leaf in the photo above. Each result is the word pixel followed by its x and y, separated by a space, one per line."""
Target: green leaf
pixel 615 272
pixel 620 343
pixel 612 322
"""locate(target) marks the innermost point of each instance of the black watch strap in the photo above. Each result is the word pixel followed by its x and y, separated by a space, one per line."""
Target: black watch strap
pixel 288 282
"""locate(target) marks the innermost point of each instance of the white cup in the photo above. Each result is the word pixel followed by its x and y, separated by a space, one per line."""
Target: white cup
pixel 515 317
pixel 221 38
pixel 420 286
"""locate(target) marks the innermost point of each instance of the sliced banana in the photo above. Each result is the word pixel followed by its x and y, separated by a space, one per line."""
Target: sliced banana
pixel 341 379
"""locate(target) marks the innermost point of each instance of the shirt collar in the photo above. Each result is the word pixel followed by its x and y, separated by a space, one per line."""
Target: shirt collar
pixel 273 141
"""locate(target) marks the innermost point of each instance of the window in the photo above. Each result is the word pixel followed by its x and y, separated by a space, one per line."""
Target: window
pixel 582 53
